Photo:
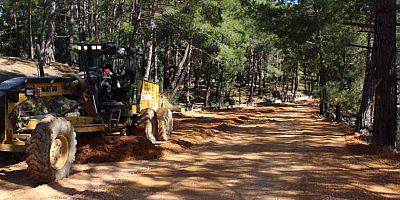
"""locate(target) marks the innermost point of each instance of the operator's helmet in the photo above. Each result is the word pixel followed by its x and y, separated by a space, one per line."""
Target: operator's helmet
pixel 107 73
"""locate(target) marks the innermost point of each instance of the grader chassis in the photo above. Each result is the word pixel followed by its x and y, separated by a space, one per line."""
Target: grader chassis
pixel 107 96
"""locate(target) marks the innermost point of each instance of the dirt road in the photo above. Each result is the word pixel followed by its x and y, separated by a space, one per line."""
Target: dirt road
pixel 256 153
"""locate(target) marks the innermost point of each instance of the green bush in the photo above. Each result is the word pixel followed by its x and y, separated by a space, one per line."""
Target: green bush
pixel 174 100
pixel 348 98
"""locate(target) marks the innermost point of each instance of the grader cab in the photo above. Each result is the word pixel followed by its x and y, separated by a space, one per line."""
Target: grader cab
pixel 42 115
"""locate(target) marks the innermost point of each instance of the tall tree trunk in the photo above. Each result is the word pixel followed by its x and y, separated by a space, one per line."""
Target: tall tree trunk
pixel 221 87
pixel 188 84
pixel 383 60
pixel 176 62
pixel 286 88
pixel 266 61
pixel 181 65
pixel 48 43
pixel 30 32
pixel 217 91
pixel 292 86
pixel 338 112
pixel 92 21
pixel 17 44
pixel 166 61
pixel 276 94
pixel 305 80
pixel 71 21
pixel 312 82
pixel 149 60
pixel 81 23
pixel 83 20
pixel 155 65
pixel 295 82
pixel 259 63
pixel 240 94
pixel 119 12
pixel 150 43
pixel 208 90
pixel 264 81
pixel 365 114
pixel 135 20
pixel 252 74
pixel 185 64
pixel 323 105
pixel 96 19
pixel 89 17
pixel 197 73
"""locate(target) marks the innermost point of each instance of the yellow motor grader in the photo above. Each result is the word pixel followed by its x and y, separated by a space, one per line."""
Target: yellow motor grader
pixel 42 115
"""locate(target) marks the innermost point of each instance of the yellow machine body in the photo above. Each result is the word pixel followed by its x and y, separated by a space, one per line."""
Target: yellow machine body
pixel 100 103
pixel 149 97
pixel 14 142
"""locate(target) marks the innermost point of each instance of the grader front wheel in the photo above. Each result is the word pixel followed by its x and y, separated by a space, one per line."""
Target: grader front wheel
pixel 59 152
pixel 51 150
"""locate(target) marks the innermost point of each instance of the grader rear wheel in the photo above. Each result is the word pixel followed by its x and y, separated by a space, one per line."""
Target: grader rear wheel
pixel 165 124
pixel 147 124
pixel 51 150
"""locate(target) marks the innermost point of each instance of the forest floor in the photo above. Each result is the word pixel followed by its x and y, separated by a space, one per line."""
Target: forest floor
pixel 11 67
pixel 273 152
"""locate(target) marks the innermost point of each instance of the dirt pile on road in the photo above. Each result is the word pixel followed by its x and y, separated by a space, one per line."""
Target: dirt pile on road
pixel 100 149
pixel 114 149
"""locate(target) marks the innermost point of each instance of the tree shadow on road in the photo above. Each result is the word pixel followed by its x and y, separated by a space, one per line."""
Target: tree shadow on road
pixel 256 159
pixel 299 160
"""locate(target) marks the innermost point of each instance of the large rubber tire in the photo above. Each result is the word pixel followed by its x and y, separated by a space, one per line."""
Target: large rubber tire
pixel 51 150
pixel 165 124
pixel 148 125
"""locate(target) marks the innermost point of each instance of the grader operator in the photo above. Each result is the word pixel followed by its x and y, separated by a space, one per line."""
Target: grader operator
pixel 42 115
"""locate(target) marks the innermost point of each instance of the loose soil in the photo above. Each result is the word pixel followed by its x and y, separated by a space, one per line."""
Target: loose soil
pixel 102 149
pixel 360 147
pixel 114 149
pixel 11 67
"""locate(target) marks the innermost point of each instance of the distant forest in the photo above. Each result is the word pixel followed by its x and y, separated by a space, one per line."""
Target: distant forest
pixel 212 52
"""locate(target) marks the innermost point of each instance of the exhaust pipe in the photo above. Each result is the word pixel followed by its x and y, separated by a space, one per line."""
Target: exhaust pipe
pixel 41 61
